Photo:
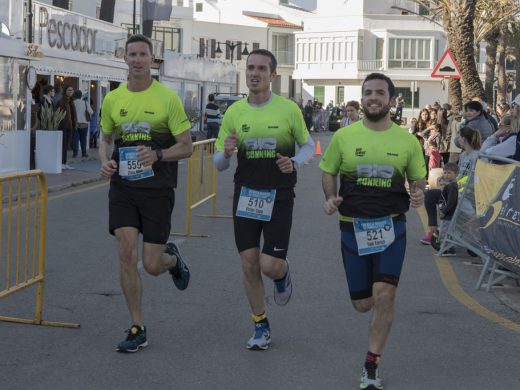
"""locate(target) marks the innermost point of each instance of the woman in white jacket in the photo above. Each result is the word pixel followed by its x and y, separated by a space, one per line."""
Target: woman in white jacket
pixel 80 133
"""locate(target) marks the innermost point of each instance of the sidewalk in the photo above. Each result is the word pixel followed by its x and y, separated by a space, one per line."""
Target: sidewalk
pixel 86 170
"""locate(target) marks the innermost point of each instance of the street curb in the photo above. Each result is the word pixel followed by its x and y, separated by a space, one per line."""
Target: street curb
pixel 61 187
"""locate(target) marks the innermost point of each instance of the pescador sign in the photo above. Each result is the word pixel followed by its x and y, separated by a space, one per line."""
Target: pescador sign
pixel 65 35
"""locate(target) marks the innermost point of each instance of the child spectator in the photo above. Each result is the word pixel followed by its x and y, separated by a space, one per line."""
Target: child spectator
pixel 448 203
pixel 435 155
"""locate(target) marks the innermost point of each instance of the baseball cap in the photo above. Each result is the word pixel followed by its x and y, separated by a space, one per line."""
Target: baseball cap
pixel 516 101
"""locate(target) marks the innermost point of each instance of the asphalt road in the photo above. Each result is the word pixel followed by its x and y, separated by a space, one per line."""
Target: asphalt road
pixel 446 335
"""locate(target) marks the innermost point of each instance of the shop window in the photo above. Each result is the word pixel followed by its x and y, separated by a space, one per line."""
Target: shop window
pixel 319 93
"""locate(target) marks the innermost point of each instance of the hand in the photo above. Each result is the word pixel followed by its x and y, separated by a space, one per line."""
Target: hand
pixel 108 168
pixel 230 143
pixel 502 131
pixel 145 155
pixel 331 205
pixel 284 163
pixel 416 196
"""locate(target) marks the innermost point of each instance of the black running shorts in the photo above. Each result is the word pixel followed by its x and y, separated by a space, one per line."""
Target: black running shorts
pixel 147 209
pixel 276 232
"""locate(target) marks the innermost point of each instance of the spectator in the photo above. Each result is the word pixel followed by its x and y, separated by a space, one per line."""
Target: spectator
pixel 352 113
pixel 502 110
pixel 399 106
pixel 307 114
pixel 212 117
pixel 80 132
pixel 448 203
pixel 444 146
pixel 476 118
pixel 435 155
pixel 68 123
pixel 422 125
pixel 413 125
pixel 469 140
pixel 501 143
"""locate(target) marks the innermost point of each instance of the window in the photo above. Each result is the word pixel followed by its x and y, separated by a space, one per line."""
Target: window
pixel 407 96
pixel 180 3
pixel 319 93
pixel 340 94
pixel 380 44
pixel 198 7
pixel 283 48
pixel 409 53
pixel 277 85
pixel 171 37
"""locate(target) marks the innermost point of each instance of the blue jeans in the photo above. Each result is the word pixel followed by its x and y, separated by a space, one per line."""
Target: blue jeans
pixel 79 134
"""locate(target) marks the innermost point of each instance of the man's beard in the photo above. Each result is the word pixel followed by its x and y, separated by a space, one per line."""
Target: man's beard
pixel 376 116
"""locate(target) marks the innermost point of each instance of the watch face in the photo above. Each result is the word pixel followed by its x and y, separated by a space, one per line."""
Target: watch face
pixel 31 77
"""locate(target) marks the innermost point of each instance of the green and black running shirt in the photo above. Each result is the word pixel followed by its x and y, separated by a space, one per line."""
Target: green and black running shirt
pixel 152 117
pixel 373 168
pixel 263 131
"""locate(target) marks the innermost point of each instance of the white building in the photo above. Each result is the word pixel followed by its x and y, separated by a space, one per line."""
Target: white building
pixel 346 40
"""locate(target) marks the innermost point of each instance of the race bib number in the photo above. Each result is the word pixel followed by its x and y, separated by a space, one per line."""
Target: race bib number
pixel 256 204
pixel 129 167
pixel 373 235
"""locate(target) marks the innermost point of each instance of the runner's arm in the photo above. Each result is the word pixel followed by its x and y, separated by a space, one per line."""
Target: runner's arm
pixel 183 148
pixel 330 189
pixel 304 154
pixel 220 160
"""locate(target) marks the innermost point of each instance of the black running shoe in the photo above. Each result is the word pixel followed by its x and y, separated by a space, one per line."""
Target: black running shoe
pixel 135 340
pixel 180 272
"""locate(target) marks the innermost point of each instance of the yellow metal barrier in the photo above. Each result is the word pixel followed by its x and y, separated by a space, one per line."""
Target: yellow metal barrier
pixel 201 183
pixel 23 216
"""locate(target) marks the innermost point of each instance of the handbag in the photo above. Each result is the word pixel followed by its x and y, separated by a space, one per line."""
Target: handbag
pixel 87 114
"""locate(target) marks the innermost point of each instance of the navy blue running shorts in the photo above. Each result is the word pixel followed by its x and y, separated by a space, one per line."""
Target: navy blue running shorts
pixel 363 271
pixel 147 209
pixel 276 232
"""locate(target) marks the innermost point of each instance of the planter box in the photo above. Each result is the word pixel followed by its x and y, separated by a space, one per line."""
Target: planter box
pixel 14 150
pixel 48 150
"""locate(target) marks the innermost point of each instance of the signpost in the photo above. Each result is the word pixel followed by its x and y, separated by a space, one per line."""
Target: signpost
pixel 413 89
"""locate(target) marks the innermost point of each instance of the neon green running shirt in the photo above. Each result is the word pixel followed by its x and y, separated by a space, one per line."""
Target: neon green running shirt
pixel 263 132
pixel 151 117
pixel 373 167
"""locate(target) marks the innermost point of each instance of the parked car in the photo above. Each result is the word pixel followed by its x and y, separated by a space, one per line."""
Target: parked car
pixel 224 100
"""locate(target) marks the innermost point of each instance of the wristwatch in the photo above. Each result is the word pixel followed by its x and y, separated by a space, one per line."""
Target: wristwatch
pixel 158 152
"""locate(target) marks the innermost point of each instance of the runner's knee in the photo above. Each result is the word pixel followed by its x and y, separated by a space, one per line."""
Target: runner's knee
pixel 363 305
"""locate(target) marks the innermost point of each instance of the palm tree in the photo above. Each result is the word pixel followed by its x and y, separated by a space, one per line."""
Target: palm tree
pixel 491 61
pixel 467 23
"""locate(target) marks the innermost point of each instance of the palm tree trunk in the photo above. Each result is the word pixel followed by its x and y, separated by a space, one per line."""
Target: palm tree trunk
pixel 455 95
pixel 502 77
pixel 462 25
pixel 517 70
pixel 491 60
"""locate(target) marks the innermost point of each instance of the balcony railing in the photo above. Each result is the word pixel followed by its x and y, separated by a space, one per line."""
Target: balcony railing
pixel 370 65
pixel 284 57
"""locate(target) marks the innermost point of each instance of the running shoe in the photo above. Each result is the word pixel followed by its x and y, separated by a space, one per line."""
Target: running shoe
pixel 370 379
pixel 427 239
pixel 449 252
pixel 283 289
pixel 135 340
pixel 261 337
pixel 180 272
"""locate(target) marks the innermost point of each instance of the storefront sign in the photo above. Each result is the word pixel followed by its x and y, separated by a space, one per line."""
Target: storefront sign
pixel 71 36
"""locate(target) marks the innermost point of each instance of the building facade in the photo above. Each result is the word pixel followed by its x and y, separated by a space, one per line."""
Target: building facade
pixel 346 40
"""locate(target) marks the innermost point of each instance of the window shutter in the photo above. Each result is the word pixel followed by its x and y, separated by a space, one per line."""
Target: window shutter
pixel 239 51
pixel 202 46
pixel 213 45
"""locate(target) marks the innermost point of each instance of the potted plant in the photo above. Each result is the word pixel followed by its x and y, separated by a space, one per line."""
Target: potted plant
pixel 49 140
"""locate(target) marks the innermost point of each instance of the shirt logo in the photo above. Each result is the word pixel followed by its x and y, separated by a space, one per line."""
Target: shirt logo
pixel 360 152
pixel 272 127
pixel 392 154
pixel 149 112
pixel 123 112
pixel 245 128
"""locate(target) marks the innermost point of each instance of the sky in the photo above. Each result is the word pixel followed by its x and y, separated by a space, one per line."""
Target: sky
pixel 309 4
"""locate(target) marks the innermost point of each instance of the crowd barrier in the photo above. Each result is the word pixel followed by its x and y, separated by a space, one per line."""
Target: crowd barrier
pixel 487 218
pixel 23 215
pixel 201 186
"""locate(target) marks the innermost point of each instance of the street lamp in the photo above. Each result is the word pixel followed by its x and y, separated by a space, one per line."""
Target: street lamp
pixel 232 46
